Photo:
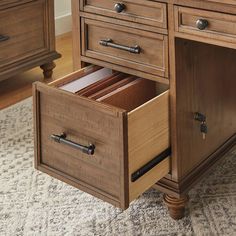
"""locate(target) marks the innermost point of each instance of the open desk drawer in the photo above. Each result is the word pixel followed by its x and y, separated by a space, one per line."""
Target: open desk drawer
pixel 108 151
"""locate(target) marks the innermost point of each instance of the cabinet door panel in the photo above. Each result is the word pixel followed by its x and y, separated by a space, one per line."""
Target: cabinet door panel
pixel 206 84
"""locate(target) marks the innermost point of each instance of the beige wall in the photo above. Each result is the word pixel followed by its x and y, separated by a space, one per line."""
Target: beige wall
pixel 62 16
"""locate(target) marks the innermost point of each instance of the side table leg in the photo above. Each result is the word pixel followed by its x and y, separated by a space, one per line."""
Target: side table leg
pixel 176 206
pixel 48 69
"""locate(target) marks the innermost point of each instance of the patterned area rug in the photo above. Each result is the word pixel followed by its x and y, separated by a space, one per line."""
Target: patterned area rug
pixel 33 203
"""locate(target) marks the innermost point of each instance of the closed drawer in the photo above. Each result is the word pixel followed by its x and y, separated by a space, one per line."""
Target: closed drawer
pixel 9 3
pixel 22 32
pixel 130 48
pixel 208 24
pixel 130 133
pixel 139 11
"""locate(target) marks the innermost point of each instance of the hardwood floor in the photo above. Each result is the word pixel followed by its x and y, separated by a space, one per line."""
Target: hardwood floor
pixel 18 87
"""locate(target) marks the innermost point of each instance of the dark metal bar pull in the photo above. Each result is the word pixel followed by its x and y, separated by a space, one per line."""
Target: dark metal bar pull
pixel 151 164
pixel 62 139
pixel 109 43
pixel 4 38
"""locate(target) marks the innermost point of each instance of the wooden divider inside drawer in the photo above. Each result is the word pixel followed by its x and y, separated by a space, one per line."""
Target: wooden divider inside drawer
pixel 111 88
pixel 125 142
pixel 108 81
pixel 131 95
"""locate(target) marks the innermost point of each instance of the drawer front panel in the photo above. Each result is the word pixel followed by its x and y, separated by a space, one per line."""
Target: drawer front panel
pixel 83 122
pixel 152 57
pixel 119 170
pixel 209 24
pixel 8 3
pixel 22 32
pixel 139 11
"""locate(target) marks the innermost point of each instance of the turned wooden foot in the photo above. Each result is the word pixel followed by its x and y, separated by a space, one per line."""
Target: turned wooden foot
pixel 176 206
pixel 48 69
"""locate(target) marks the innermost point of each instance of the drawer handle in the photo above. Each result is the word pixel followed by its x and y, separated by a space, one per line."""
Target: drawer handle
pixel 109 43
pixel 119 7
pixel 202 24
pixel 4 38
pixel 62 139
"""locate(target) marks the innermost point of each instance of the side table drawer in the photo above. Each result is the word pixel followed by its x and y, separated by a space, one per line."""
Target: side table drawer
pixel 22 32
pixel 112 151
pixel 7 3
pixel 139 11
pixel 127 47
pixel 212 25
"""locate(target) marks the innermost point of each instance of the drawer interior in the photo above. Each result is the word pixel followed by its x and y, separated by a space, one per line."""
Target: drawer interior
pixel 115 88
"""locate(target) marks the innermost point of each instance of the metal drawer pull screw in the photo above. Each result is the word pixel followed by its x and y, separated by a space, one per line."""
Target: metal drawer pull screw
pixel 4 38
pixel 119 7
pixel 62 139
pixel 202 24
pixel 109 43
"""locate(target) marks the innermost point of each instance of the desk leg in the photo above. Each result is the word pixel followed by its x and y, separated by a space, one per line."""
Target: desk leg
pixel 48 69
pixel 176 206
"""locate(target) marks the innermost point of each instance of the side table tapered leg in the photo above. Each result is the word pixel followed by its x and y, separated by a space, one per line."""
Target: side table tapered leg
pixel 48 69
pixel 176 206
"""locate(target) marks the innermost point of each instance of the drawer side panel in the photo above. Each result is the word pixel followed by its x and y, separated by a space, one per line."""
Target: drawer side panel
pixel 148 136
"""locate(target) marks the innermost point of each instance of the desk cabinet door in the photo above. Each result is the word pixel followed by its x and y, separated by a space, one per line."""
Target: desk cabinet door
pixel 205 84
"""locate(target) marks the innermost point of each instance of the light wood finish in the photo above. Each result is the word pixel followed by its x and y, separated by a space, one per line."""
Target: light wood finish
pixel 23 41
pixel 140 11
pixel 148 136
pixel 124 23
pixel 105 93
pixel 152 59
pixel 126 70
pixel 221 26
pixel 28 44
pixel 106 173
pixel 204 61
pixel 19 87
pixel 144 91
pixel 201 78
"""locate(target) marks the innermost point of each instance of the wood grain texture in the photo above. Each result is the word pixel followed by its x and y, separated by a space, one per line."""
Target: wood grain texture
pixel 210 89
pixel 131 95
pixel 201 80
pixel 125 69
pixel 148 136
pixel 140 11
pixel 153 58
pixel 221 26
pixel 106 173
pixel 102 94
pixel 19 87
pixel 29 45
pixel 88 122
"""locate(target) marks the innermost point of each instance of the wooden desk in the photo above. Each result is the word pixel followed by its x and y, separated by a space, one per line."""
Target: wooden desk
pixel 188 48
pixel 27 37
